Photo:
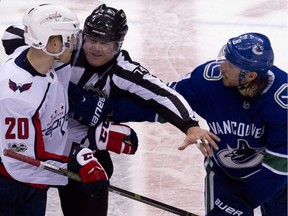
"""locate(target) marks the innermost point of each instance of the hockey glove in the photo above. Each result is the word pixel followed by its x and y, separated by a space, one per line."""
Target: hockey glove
pixel 118 138
pixel 86 108
pixel 232 205
pixel 94 178
pixel 83 161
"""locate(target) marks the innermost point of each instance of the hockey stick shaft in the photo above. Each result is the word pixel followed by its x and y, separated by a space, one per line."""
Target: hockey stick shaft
pixel 149 201
pixel 41 164
pixel 113 189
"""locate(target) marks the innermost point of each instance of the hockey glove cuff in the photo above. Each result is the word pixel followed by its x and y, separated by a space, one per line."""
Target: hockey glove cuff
pixel 118 138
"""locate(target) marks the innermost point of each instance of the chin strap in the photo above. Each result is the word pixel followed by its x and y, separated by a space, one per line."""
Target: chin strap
pixel 56 55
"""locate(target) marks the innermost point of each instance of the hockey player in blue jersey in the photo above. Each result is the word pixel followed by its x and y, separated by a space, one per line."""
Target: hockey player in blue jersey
pixel 243 98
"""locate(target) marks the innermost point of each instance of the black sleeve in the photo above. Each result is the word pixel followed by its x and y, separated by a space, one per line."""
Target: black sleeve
pixel 12 38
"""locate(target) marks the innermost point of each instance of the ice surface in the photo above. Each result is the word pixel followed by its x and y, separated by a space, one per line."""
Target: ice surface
pixel 169 38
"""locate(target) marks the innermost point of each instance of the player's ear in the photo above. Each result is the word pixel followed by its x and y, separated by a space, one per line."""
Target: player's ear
pixel 56 40
pixel 252 75
pixel 54 43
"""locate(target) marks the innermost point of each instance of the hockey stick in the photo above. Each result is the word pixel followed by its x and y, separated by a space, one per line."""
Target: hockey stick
pixel 116 190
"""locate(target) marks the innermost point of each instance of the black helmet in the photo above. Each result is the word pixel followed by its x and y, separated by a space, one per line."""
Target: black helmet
pixel 106 23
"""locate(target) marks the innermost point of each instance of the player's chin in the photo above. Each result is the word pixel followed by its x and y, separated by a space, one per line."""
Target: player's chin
pixel 226 82
pixel 66 58
pixel 65 61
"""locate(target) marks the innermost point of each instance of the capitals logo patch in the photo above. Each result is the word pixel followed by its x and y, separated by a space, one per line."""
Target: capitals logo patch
pixel 19 86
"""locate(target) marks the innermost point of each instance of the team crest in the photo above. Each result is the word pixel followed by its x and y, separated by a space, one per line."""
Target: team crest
pixel 19 86
pixel 244 156
pixel 258 49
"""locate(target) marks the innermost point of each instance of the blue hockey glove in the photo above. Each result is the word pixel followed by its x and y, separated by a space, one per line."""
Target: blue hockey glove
pixel 12 38
pixel 231 205
pixel 86 108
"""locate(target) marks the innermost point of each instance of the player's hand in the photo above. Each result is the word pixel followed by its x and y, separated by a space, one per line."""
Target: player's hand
pixel 86 108
pixel 88 167
pixel 94 178
pixel 208 139
pixel 118 138
pixel 232 205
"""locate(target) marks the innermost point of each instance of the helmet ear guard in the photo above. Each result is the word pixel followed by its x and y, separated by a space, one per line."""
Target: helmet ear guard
pixel 250 52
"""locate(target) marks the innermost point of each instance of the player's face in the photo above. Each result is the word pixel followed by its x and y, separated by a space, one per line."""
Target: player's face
pixel 230 74
pixel 97 51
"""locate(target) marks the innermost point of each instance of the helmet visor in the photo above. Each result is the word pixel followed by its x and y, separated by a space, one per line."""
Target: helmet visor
pixel 221 54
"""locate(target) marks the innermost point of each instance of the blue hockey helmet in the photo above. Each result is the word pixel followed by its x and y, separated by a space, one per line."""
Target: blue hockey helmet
pixel 251 52
pixel 106 23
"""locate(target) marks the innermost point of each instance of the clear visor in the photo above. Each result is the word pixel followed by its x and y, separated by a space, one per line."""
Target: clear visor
pixel 221 58
pixel 221 54
pixel 75 41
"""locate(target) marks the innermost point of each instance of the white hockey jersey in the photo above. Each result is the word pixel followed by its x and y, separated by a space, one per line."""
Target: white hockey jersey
pixel 33 121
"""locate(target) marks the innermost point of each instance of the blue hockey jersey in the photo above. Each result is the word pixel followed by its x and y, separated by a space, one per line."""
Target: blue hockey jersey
pixel 253 131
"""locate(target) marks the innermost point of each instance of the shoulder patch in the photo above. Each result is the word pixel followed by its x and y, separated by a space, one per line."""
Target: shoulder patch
pixel 281 96
pixel 212 72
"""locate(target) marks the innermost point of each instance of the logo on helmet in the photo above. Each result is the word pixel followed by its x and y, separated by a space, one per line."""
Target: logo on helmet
pixel 236 41
pixel 257 49
pixel 98 32
pixel 55 16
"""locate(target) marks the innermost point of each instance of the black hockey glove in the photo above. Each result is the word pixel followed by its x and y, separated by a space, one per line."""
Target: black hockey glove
pixel 86 108
pixel 231 205
pixel 94 190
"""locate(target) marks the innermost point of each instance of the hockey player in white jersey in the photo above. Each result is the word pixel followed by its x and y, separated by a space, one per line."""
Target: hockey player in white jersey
pixel 34 111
